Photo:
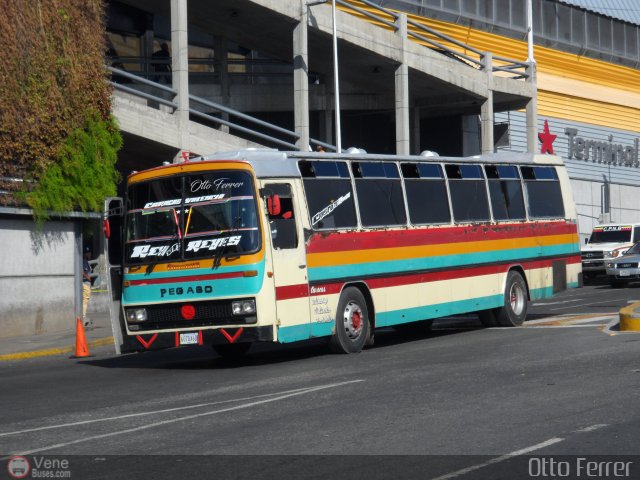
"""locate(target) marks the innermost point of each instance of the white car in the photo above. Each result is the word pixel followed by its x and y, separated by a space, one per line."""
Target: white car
pixel 605 243
pixel 626 268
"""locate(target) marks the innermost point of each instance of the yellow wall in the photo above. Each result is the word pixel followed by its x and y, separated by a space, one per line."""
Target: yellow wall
pixel 570 86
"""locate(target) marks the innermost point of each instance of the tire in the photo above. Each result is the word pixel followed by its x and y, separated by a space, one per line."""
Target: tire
pixel 422 327
pixel 615 283
pixel 232 351
pixel 353 326
pixel 514 311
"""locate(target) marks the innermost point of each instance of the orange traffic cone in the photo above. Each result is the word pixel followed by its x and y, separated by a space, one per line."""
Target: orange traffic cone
pixel 81 342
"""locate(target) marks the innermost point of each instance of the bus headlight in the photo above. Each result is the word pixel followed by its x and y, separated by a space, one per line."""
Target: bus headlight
pixel 243 307
pixel 135 315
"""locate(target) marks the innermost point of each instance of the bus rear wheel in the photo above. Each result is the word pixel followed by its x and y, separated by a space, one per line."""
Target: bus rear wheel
pixel 514 311
pixel 232 351
pixel 352 323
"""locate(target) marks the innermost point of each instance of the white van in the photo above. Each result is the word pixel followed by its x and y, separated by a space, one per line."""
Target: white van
pixel 607 242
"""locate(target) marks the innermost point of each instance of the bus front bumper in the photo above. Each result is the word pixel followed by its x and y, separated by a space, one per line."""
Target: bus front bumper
pixel 219 336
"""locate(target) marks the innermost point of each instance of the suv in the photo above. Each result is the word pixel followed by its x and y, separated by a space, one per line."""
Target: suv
pixel 605 243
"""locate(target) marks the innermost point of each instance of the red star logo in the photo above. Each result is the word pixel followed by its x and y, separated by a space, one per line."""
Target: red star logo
pixel 547 139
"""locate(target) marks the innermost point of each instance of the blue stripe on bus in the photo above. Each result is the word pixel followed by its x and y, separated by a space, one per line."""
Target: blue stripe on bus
pixel 167 292
pixel 396 317
pixel 384 319
pixel 445 261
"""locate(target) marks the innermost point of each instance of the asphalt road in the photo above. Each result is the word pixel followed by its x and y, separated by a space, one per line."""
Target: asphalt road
pixel 565 384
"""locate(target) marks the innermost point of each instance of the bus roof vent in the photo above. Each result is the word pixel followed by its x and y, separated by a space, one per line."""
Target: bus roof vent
pixel 356 150
pixel 429 153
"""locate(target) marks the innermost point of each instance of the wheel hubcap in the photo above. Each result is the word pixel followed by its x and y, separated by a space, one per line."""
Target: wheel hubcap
pixel 353 320
pixel 516 299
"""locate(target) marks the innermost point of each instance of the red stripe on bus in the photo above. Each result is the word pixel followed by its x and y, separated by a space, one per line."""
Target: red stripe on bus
pixel 288 292
pixel 299 291
pixel 190 278
pixel 332 242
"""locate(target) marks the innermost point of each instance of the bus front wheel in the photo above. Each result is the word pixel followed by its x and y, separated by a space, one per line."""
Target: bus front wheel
pixel 352 322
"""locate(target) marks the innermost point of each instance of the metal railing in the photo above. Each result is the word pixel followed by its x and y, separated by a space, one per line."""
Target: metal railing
pixel 436 40
pixel 251 127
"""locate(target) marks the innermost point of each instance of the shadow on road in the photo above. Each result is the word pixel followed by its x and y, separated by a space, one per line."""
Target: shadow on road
pixel 203 358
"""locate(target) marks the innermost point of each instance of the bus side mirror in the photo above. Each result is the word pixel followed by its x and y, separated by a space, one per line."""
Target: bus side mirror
pixel 273 205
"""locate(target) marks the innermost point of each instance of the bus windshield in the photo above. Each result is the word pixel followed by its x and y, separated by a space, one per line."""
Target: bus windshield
pixel 193 216
pixel 612 234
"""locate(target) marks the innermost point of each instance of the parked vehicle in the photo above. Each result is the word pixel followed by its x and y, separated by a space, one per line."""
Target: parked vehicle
pixel 606 243
pixel 626 268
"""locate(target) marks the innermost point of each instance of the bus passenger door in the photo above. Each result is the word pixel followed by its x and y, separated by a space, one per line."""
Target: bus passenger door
pixel 289 262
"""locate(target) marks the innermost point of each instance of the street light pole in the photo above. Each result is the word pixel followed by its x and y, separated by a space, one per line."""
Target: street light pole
pixel 336 89
pixel 530 58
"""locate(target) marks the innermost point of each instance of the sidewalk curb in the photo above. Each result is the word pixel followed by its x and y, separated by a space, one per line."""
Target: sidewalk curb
pixel 54 351
pixel 630 318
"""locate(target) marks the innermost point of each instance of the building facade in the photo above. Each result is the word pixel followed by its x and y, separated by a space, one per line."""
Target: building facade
pixel 587 57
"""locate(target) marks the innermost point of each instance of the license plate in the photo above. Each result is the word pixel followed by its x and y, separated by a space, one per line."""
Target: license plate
pixel 189 338
pixel 625 273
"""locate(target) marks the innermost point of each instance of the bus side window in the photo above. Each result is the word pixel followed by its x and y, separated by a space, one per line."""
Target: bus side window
pixel 636 234
pixel 283 224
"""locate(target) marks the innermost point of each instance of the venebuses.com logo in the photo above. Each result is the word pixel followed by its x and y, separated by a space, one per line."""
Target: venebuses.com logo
pixel 38 467
pixel 18 467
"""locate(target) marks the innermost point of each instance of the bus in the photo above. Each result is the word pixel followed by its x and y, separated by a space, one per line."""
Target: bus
pixel 270 246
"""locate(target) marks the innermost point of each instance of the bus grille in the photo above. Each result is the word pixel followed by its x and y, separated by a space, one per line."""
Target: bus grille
pixel 207 314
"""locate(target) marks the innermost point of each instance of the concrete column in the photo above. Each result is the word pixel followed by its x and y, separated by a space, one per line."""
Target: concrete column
pixel 328 124
pixel 532 112
pixel 301 79
pixel 180 68
pixel 220 49
pixel 486 109
pixel 402 92
pixel 416 131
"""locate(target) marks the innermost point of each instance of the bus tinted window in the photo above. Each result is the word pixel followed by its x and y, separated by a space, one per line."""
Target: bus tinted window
pixel 317 169
pixel 468 193
pixel 426 193
pixel 379 193
pixel 330 203
pixel 544 196
pixel 505 191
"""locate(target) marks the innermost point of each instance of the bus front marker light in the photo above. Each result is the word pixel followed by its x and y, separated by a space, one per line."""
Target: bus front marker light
pixel 137 315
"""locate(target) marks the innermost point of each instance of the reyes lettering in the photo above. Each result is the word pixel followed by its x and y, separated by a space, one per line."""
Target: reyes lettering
pixel 143 251
pixel 212 243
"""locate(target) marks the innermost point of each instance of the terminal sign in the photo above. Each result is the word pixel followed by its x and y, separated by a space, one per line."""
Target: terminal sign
pixel 601 151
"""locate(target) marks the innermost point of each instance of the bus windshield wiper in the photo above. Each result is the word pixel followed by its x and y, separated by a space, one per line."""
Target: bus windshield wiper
pixel 219 255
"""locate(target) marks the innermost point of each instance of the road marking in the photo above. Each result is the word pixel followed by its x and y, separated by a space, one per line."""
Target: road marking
pixel 502 458
pixel 592 428
pixel 582 305
pixel 54 351
pixel 569 319
pixel 281 396
pixel 555 303
pixel 152 412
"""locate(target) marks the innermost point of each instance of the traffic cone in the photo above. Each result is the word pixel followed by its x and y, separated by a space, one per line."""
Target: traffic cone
pixel 81 342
